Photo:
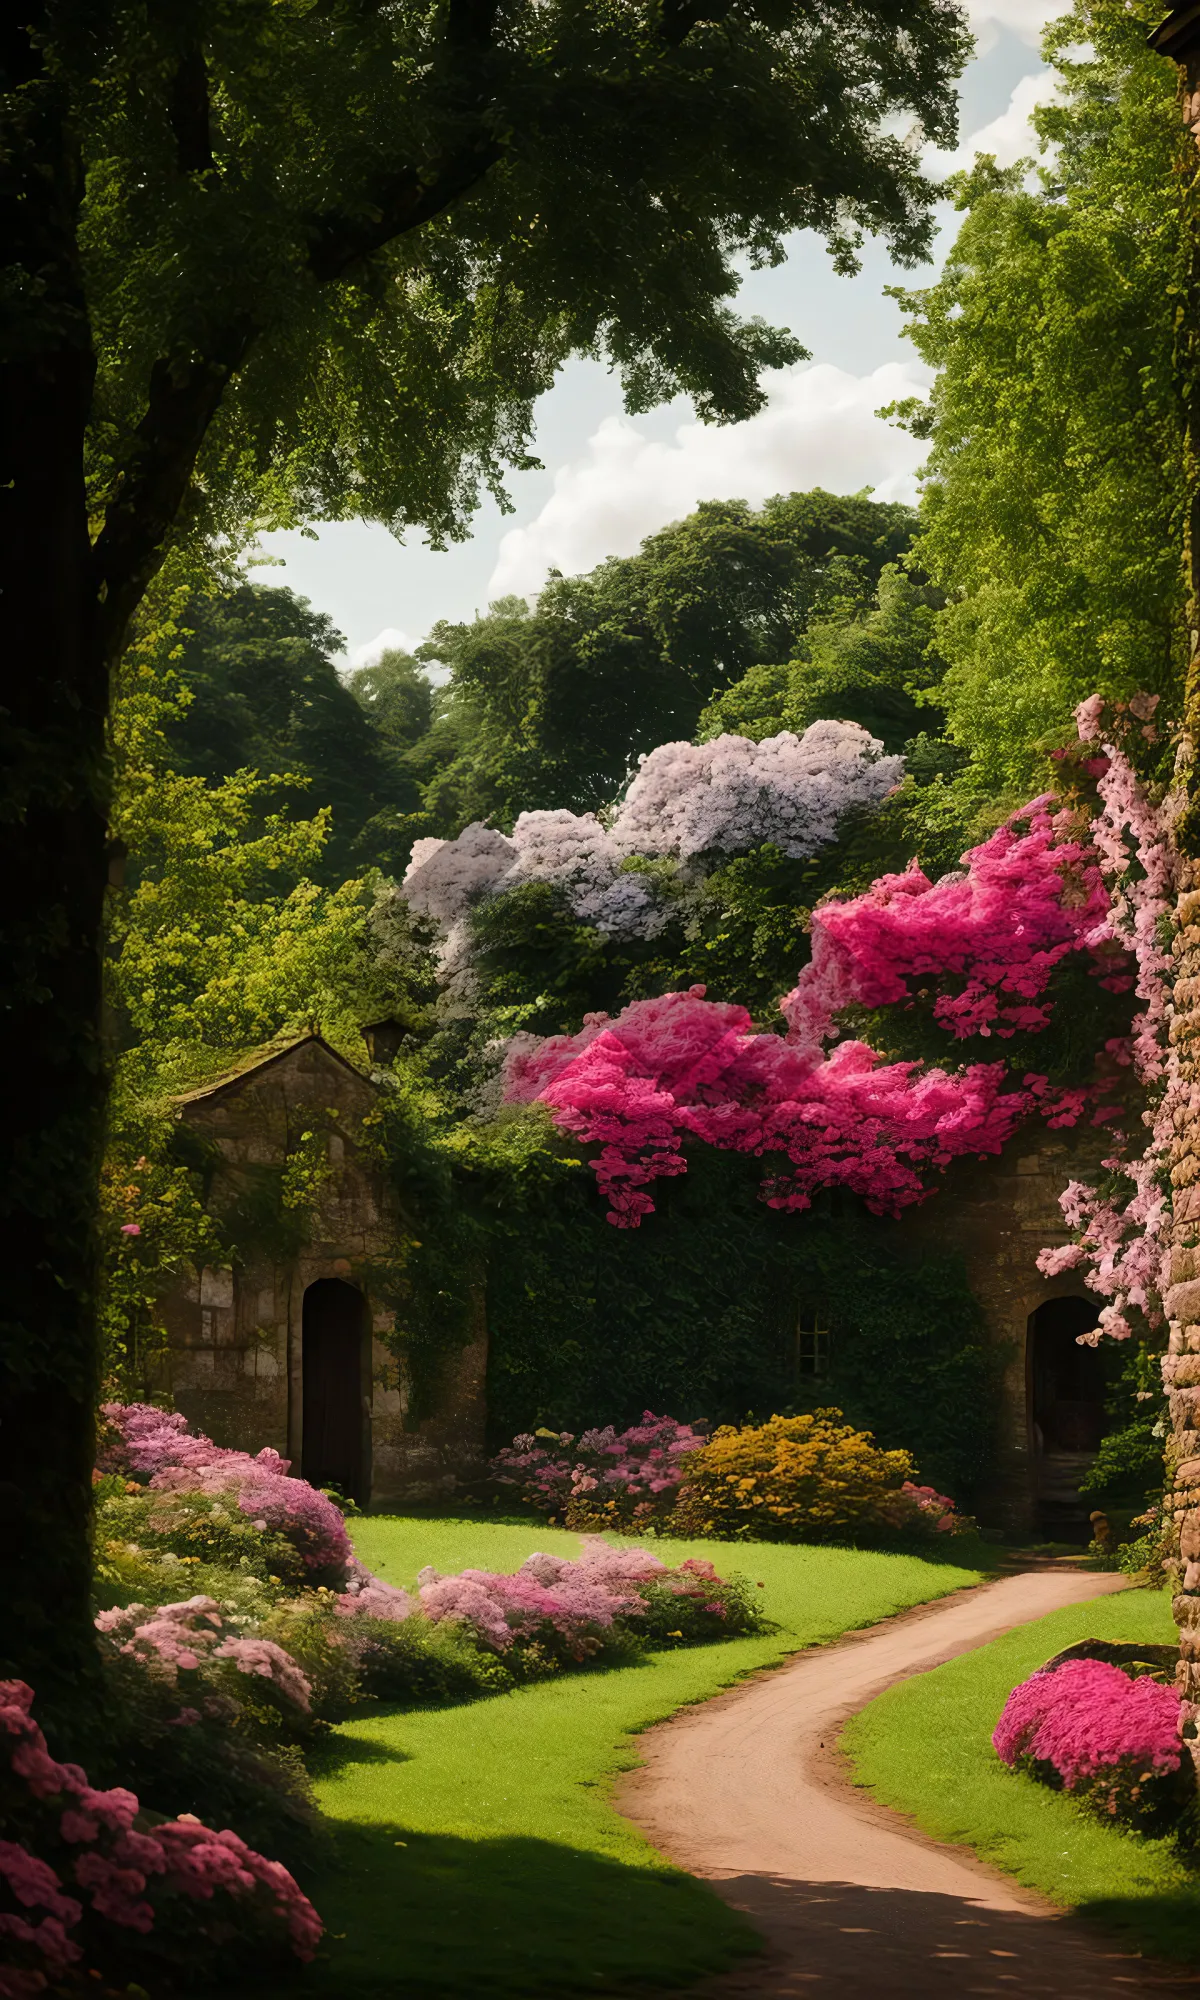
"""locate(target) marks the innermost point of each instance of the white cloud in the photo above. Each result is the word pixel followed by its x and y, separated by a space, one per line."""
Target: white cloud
pixel 1010 137
pixel 390 640
pixel 1023 18
pixel 818 429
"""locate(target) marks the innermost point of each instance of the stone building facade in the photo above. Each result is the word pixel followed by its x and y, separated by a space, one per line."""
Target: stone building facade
pixel 286 1349
pixel 998 1213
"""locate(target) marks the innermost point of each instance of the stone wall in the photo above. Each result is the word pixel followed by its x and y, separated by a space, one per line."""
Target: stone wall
pixel 1180 1127
pixel 234 1360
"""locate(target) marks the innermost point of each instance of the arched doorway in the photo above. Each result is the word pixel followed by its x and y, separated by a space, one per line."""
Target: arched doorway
pixel 1066 1387
pixel 334 1335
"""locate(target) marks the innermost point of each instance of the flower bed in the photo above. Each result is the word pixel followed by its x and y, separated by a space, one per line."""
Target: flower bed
pixel 556 1612
pixel 1113 1741
pixel 209 1692
pixel 792 1479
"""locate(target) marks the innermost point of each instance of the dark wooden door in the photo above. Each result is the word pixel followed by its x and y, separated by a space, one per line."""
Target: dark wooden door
pixel 332 1448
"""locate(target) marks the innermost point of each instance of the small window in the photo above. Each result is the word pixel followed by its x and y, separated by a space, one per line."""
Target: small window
pixel 812 1342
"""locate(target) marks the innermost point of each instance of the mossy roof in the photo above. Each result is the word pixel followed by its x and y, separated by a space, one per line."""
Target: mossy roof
pixel 265 1058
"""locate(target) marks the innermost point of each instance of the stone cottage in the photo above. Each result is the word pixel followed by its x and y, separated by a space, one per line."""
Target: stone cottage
pixel 285 1349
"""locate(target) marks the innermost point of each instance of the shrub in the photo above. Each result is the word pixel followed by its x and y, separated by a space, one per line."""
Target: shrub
pixel 421 1664
pixel 156 1446
pixel 603 1479
pixel 194 1526
pixel 193 1649
pixel 806 1478
pixel 554 1612
pixel 1110 1740
pixel 90 1879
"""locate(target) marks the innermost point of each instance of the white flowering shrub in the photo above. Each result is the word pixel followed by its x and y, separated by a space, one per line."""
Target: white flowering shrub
pixel 687 801
pixel 733 794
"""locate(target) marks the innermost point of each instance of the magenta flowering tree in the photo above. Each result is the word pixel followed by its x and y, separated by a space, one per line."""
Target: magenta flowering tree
pixel 986 944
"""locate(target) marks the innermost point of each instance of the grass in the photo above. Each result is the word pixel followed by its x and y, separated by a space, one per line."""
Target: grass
pixel 477 1852
pixel 925 1747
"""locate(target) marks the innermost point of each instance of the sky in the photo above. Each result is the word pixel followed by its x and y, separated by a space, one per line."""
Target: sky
pixel 608 479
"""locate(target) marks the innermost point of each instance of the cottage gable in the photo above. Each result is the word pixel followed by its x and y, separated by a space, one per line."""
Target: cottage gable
pixel 283 1347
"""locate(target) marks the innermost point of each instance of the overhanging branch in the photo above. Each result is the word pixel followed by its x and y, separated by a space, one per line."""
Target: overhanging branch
pixel 182 401
pixel 398 205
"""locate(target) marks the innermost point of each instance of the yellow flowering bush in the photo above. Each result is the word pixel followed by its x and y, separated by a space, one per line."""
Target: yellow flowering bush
pixel 808 1478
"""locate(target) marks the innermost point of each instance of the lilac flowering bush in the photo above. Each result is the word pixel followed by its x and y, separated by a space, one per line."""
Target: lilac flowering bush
pixel 603 1478
pixel 90 1880
pixel 1111 1740
pixel 156 1448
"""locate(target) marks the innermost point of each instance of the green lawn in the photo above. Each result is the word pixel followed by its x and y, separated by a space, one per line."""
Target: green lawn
pixel 925 1747
pixel 477 1852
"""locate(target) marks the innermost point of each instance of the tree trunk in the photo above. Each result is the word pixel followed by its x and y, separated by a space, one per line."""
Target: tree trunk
pixel 53 836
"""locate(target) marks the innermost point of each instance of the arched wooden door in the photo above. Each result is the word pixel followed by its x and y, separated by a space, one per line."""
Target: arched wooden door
pixel 334 1334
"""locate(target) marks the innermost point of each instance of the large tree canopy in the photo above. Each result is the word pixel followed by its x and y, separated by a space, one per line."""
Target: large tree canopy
pixel 258 668
pixel 265 256
pixel 1055 497
pixel 553 706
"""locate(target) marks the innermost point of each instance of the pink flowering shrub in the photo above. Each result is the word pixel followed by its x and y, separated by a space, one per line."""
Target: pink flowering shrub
pixel 157 1448
pixel 90 1880
pixel 553 1611
pixel 681 1067
pixel 917 1509
pixel 1110 1740
pixel 986 940
pixel 603 1478
pixel 195 1639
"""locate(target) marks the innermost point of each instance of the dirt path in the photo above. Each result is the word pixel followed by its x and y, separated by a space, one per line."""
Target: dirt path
pixel 747 1791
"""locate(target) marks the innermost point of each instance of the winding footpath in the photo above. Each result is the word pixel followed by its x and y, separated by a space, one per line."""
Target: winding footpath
pixel 748 1792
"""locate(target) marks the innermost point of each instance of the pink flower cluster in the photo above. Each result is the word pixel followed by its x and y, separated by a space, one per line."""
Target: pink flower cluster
pixel 367 1596
pixel 568 1605
pixel 923 1506
pixel 641 1466
pixel 125 1872
pixel 187 1635
pixel 156 1446
pixel 683 1067
pixel 1088 1721
pixel 1031 895
pixel 502 1610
